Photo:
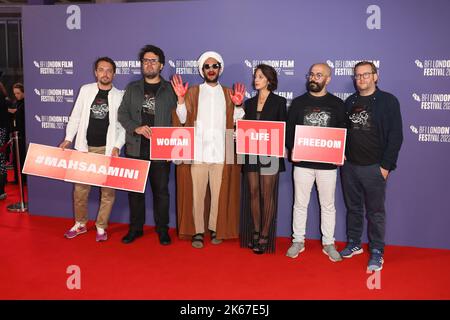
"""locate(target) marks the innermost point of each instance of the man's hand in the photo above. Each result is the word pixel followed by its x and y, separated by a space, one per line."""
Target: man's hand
pixel 65 144
pixel 146 131
pixel 115 152
pixel 384 173
pixel 179 88
pixel 237 96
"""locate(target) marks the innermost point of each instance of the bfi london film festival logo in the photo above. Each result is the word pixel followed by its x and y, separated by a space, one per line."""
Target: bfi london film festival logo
pixel 433 101
pixel 345 67
pixel 52 122
pixel 181 66
pixel 128 67
pixel 284 66
pixel 54 95
pixel 288 95
pixel 434 68
pixel 52 67
pixel 439 134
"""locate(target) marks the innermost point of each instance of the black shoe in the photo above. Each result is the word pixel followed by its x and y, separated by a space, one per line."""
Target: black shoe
pixel 164 238
pixel 131 236
pixel 262 245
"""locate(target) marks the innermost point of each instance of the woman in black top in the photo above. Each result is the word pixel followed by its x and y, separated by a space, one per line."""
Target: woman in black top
pixel 260 183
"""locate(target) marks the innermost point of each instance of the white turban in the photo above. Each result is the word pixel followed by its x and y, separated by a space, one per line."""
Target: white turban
pixel 205 56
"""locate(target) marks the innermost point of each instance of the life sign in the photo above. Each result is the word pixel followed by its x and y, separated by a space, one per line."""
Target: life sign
pixel 87 168
pixel 172 143
pixel 264 138
pixel 319 144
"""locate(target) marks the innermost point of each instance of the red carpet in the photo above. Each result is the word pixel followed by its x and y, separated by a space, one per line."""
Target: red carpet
pixel 34 257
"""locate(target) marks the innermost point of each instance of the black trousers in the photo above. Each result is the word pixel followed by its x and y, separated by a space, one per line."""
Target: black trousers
pixel 159 182
pixel 365 187
pixel 23 153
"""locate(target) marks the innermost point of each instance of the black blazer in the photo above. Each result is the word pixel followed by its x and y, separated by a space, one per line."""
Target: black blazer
pixel 274 110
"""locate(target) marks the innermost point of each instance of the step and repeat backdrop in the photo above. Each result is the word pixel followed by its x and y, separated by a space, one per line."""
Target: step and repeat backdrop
pixel 407 41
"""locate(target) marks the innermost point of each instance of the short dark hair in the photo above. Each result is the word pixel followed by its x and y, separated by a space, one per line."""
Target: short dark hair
pixel 19 86
pixel 270 73
pixel 366 63
pixel 155 50
pixel 106 59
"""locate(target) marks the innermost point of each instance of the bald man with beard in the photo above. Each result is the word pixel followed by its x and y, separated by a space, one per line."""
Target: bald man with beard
pixel 316 107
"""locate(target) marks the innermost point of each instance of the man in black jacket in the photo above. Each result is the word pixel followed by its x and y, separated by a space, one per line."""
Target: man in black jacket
pixel 374 139
pixel 148 103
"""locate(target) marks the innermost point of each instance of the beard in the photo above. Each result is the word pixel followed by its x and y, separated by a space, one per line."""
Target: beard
pixel 150 74
pixel 213 80
pixel 315 86
pixel 105 81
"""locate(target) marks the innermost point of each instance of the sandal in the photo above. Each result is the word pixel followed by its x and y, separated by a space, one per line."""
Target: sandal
pixel 262 245
pixel 197 240
pixel 252 244
pixel 214 239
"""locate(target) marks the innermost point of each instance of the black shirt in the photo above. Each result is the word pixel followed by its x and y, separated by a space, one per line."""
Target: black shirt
pixel 98 120
pixel 363 138
pixel 148 113
pixel 326 111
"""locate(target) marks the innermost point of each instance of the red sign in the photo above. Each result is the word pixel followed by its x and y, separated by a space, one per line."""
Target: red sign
pixel 264 138
pixel 319 144
pixel 172 143
pixel 87 168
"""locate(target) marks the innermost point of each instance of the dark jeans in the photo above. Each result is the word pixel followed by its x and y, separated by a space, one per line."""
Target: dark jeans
pixel 159 182
pixel 364 186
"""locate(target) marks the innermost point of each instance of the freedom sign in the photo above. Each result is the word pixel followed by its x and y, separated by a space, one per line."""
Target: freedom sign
pixel 263 138
pixel 172 143
pixel 319 144
pixel 87 168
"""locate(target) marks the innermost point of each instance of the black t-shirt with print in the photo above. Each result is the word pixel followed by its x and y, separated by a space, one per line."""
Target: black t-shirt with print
pixel 98 120
pixel 148 113
pixel 326 111
pixel 363 138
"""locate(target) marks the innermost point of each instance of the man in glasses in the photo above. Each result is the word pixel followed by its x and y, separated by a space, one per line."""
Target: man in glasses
pixel 148 103
pixel 212 109
pixel 316 107
pixel 94 122
pixel 374 139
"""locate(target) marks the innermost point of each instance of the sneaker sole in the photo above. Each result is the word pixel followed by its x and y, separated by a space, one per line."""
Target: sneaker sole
pixel 75 235
pixel 296 254
pixel 329 257
pixel 379 269
pixel 353 254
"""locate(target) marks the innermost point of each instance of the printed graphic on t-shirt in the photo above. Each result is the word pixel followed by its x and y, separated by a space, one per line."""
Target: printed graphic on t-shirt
pixel 316 116
pixel 361 118
pixel 148 106
pixel 99 108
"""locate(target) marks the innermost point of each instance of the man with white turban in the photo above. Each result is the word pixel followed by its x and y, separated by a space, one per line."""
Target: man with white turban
pixel 212 109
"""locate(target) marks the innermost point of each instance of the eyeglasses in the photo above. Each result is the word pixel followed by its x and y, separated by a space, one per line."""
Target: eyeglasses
pixel 209 66
pixel 364 75
pixel 318 76
pixel 150 61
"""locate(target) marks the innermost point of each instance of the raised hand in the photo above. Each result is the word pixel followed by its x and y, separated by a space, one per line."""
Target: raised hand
pixel 177 85
pixel 237 96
